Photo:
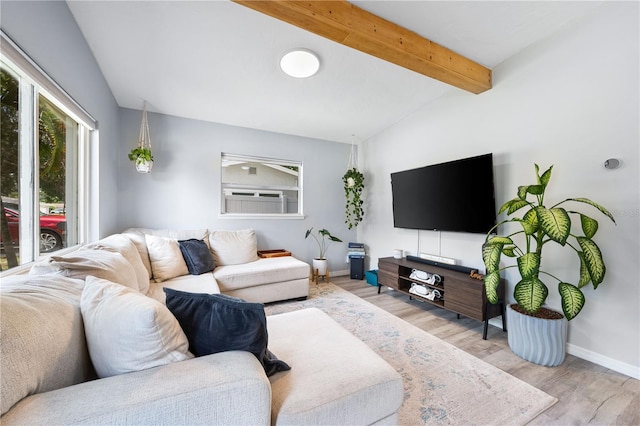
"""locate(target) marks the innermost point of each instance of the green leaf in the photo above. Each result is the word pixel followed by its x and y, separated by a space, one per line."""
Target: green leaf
pixel 507 205
pixel 530 294
pixel 529 265
pixel 491 283
pixel 516 205
pixel 572 300
pixel 592 260
pixel 535 189
pixel 509 251
pixel 589 226
pixel 585 278
pixel 596 205
pixel 491 256
pixel 555 223
pixel 546 176
pixel 530 222
pixel 500 240
pixel 522 192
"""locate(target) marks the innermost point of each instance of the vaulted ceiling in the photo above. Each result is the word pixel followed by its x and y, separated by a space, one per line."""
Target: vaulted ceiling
pixel 218 60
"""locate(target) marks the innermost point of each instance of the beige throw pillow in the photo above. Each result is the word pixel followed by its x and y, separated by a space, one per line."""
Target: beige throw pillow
pixel 166 258
pixel 128 331
pixel 233 247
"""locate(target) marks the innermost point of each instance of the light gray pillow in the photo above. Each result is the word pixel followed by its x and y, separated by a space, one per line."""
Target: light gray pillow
pixel 119 243
pixel 99 263
pixel 128 331
pixel 233 247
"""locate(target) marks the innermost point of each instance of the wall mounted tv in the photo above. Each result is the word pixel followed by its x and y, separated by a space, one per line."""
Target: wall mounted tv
pixel 455 196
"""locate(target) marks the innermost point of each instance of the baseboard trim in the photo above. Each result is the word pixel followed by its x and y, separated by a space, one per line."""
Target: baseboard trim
pixel 604 361
pixel 594 357
pixel 340 273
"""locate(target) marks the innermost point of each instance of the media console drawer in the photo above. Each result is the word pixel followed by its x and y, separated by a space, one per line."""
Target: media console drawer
pixel 460 292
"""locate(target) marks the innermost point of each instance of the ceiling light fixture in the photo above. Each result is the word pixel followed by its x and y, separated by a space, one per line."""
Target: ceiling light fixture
pixel 300 63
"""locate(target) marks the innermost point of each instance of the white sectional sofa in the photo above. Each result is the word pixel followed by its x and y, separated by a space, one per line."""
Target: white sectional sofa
pixel 239 271
pixel 86 339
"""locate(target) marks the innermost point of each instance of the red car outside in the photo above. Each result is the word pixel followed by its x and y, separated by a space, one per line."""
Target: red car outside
pixel 52 229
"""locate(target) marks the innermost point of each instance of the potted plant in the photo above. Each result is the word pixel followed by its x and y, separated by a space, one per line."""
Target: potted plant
pixel 539 226
pixel 324 239
pixel 143 158
pixel 353 181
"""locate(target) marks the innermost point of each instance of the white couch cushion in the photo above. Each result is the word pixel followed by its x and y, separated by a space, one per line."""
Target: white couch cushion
pixel 122 244
pixel 259 272
pixel 204 283
pixel 80 264
pixel 233 247
pixel 128 331
pixel 335 378
pixel 43 344
pixel 166 258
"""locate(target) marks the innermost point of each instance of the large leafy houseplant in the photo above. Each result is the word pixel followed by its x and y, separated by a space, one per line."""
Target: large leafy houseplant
pixel 323 240
pixel 540 226
pixel 353 181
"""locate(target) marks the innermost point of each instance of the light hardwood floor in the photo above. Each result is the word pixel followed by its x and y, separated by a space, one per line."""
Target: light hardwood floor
pixel 587 393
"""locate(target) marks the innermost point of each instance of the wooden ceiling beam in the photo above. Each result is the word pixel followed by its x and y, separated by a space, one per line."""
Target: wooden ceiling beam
pixel 354 27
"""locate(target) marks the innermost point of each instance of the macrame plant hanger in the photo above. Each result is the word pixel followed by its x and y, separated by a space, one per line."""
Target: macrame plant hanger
pixel 144 163
pixel 353 181
pixel 353 159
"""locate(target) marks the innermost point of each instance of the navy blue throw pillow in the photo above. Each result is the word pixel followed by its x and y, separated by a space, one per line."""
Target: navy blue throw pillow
pixel 217 323
pixel 197 256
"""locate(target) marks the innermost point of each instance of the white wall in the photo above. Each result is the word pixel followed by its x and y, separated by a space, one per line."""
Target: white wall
pixel 183 190
pixel 48 33
pixel 570 101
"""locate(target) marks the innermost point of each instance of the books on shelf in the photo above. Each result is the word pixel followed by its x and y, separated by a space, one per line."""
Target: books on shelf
pixel 356 250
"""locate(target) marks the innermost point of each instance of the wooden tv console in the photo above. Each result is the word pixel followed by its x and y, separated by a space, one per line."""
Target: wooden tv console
pixel 461 293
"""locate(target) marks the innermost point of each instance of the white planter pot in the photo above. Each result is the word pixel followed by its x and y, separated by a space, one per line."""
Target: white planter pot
pixel 320 265
pixel 144 166
pixel 537 340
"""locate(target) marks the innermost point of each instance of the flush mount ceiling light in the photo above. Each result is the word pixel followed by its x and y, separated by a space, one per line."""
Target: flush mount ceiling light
pixel 300 63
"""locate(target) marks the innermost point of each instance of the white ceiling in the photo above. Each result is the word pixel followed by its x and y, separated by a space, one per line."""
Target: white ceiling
pixel 218 61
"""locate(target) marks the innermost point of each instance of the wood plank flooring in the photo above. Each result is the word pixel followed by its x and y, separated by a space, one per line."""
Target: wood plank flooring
pixel 587 393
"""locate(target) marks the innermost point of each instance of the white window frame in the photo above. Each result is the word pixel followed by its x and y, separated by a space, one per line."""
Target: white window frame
pixel 34 82
pixel 225 188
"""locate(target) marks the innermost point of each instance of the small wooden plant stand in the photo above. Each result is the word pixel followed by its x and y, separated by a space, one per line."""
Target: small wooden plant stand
pixel 315 276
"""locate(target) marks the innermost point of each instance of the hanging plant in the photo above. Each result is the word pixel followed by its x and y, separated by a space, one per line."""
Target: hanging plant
pixel 141 154
pixel 353 181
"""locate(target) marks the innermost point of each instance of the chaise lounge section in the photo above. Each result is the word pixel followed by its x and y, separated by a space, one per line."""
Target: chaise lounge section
pixel 51 374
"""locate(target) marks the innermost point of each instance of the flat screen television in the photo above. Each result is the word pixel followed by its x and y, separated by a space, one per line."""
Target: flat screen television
pixel 456 196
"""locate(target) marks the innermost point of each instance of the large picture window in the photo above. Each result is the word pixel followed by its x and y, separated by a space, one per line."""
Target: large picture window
pixel 253 186
pixel 43 154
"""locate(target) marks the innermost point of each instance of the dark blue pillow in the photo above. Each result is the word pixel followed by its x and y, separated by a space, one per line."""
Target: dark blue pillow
pixel 197 256
pixel 217 323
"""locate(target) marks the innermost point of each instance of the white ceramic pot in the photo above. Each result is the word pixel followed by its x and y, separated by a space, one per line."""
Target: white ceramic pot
pixel 320 265
pixel 537 340
pixel 143 166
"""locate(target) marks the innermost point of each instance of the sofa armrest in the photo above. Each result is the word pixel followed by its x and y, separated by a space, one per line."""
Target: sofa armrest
pixel 224 388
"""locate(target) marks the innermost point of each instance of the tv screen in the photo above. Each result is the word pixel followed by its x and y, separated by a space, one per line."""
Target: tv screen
pixel 455 196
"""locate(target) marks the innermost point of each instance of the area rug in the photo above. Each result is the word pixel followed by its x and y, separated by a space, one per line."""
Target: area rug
pixel 442 384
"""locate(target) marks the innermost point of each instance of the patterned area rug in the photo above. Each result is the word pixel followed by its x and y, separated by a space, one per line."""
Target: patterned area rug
pixel 442 384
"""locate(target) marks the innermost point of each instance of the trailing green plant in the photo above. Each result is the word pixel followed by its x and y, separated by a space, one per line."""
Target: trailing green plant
pixel 323 240
pixel 542 225
pixel 353 181
pixel 139 153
